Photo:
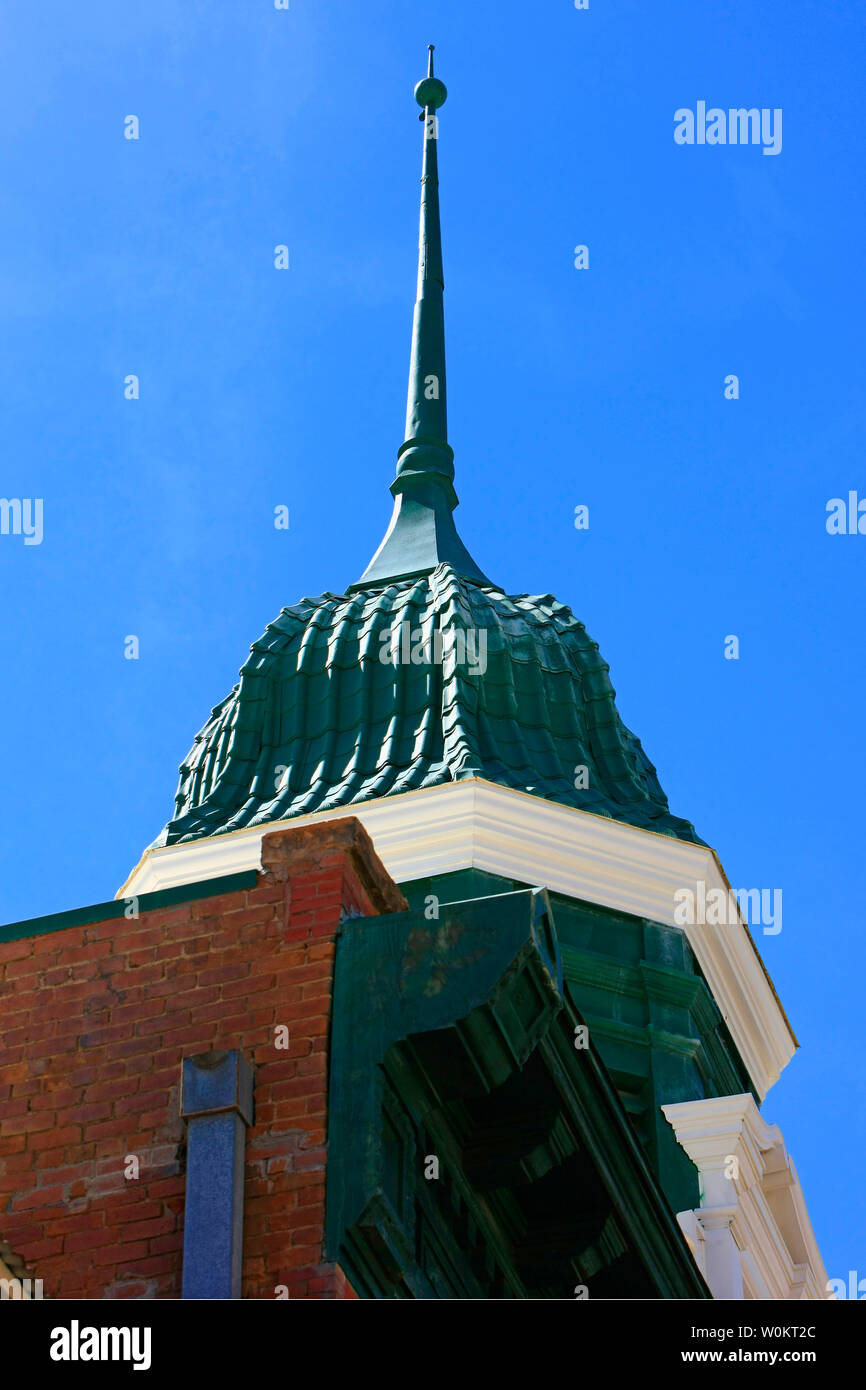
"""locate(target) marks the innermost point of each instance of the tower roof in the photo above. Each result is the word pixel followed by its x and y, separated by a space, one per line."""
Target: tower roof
pixel 423 672
pixel 332 710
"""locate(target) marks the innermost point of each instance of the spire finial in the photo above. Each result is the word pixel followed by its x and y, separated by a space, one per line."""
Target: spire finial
pixel 430 92
pixel 422 534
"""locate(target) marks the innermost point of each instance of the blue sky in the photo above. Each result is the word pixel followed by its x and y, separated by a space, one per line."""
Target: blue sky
pixel 603 387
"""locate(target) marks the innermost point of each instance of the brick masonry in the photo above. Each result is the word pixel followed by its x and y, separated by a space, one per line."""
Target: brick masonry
pixel 96 1022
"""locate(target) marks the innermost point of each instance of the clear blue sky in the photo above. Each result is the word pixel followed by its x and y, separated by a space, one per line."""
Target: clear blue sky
pixel 604 387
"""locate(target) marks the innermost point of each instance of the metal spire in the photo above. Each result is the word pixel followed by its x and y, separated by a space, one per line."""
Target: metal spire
pixel 426 441
pixel 422 532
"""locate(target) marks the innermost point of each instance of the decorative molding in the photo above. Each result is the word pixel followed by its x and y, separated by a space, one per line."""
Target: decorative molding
pixel 478 824
pixel 751 1236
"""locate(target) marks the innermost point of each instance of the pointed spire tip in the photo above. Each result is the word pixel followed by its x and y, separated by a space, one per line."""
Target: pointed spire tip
pixel 422 534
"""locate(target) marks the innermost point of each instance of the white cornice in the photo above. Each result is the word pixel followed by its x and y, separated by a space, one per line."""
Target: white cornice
pixel 478 824
pixel 752 1228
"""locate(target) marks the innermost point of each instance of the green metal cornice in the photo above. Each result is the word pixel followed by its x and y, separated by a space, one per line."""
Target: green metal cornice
pixel 422 533
pixel 454 1038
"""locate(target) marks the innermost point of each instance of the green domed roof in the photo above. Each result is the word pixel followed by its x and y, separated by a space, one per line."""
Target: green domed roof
pixel 328 712
pixel 424 672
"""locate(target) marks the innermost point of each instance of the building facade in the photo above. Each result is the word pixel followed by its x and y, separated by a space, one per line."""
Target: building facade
pixel 402 1001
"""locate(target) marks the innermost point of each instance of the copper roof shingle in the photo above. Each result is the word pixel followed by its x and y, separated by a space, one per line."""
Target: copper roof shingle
pixel 329 713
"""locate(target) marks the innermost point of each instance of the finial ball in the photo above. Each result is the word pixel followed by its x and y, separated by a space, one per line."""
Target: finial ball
pixel 431 92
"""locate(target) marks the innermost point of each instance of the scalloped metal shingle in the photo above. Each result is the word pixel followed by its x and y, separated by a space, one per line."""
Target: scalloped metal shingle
pixel 319 721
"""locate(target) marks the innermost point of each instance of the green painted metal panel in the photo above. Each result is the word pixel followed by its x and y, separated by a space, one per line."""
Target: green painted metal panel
pixel 653 1018
pixel 454 1038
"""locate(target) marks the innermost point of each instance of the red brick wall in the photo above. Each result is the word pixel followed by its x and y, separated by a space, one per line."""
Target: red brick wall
pixel 95 1022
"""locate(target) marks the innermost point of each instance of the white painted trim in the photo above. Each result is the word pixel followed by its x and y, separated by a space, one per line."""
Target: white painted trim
pixel 751 1236
pixel 478 824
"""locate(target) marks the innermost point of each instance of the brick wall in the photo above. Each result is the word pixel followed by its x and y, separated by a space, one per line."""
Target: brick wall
pixel 96 1021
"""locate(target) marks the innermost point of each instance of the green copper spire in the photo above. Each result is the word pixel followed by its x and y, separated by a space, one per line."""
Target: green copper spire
pixel 426 445
pixel 422 534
